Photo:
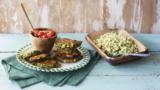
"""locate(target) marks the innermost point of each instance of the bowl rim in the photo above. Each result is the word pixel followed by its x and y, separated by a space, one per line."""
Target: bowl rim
pixel 41 29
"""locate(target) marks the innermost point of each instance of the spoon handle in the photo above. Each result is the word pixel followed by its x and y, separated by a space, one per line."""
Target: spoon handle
pixel 26 15
pixel 140 54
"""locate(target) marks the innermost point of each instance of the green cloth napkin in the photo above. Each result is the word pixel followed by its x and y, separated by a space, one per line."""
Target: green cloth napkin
pixel 26 77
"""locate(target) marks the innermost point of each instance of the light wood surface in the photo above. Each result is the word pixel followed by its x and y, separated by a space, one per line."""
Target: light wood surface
pixel 141 16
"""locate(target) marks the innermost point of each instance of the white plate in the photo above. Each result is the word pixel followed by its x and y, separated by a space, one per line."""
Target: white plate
pixel 64 66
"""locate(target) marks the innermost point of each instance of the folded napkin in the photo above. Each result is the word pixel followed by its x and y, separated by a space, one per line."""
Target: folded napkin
pixel 26 77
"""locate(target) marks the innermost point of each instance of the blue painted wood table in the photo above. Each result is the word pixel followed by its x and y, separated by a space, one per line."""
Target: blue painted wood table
pixel 142 74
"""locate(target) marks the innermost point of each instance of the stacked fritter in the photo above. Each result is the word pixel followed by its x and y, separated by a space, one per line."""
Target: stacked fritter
pixel 66 50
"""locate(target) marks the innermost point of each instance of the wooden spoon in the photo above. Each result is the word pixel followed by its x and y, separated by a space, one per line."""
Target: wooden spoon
pixel 26 15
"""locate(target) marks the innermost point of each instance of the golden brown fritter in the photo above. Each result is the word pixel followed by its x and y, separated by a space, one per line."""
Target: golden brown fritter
pixel 50 63
pixel 68 55
pixel 69 60
pixel 38 57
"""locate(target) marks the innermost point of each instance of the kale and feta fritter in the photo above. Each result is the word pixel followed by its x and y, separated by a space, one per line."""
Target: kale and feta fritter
pixel 49 63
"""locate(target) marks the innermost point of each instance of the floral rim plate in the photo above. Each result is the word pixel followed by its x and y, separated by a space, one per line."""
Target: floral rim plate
pixel 64 66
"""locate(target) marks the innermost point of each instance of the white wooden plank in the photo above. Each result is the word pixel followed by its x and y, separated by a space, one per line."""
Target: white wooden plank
pixel 151 41
pixel 10 42
pixel 96 83
pixel 13 42
pixel 7 84
pixel 108 83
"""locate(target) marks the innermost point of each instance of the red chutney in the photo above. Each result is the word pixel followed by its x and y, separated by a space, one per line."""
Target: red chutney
pixel 44 33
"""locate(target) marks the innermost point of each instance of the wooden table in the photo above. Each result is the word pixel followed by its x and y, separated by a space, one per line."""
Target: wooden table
pixel 142 74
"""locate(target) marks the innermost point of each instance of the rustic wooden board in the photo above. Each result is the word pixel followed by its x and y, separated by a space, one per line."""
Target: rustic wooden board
pixel 81 15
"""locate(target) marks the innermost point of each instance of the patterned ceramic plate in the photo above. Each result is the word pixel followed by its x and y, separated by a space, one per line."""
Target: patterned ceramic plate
pixel 64 66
